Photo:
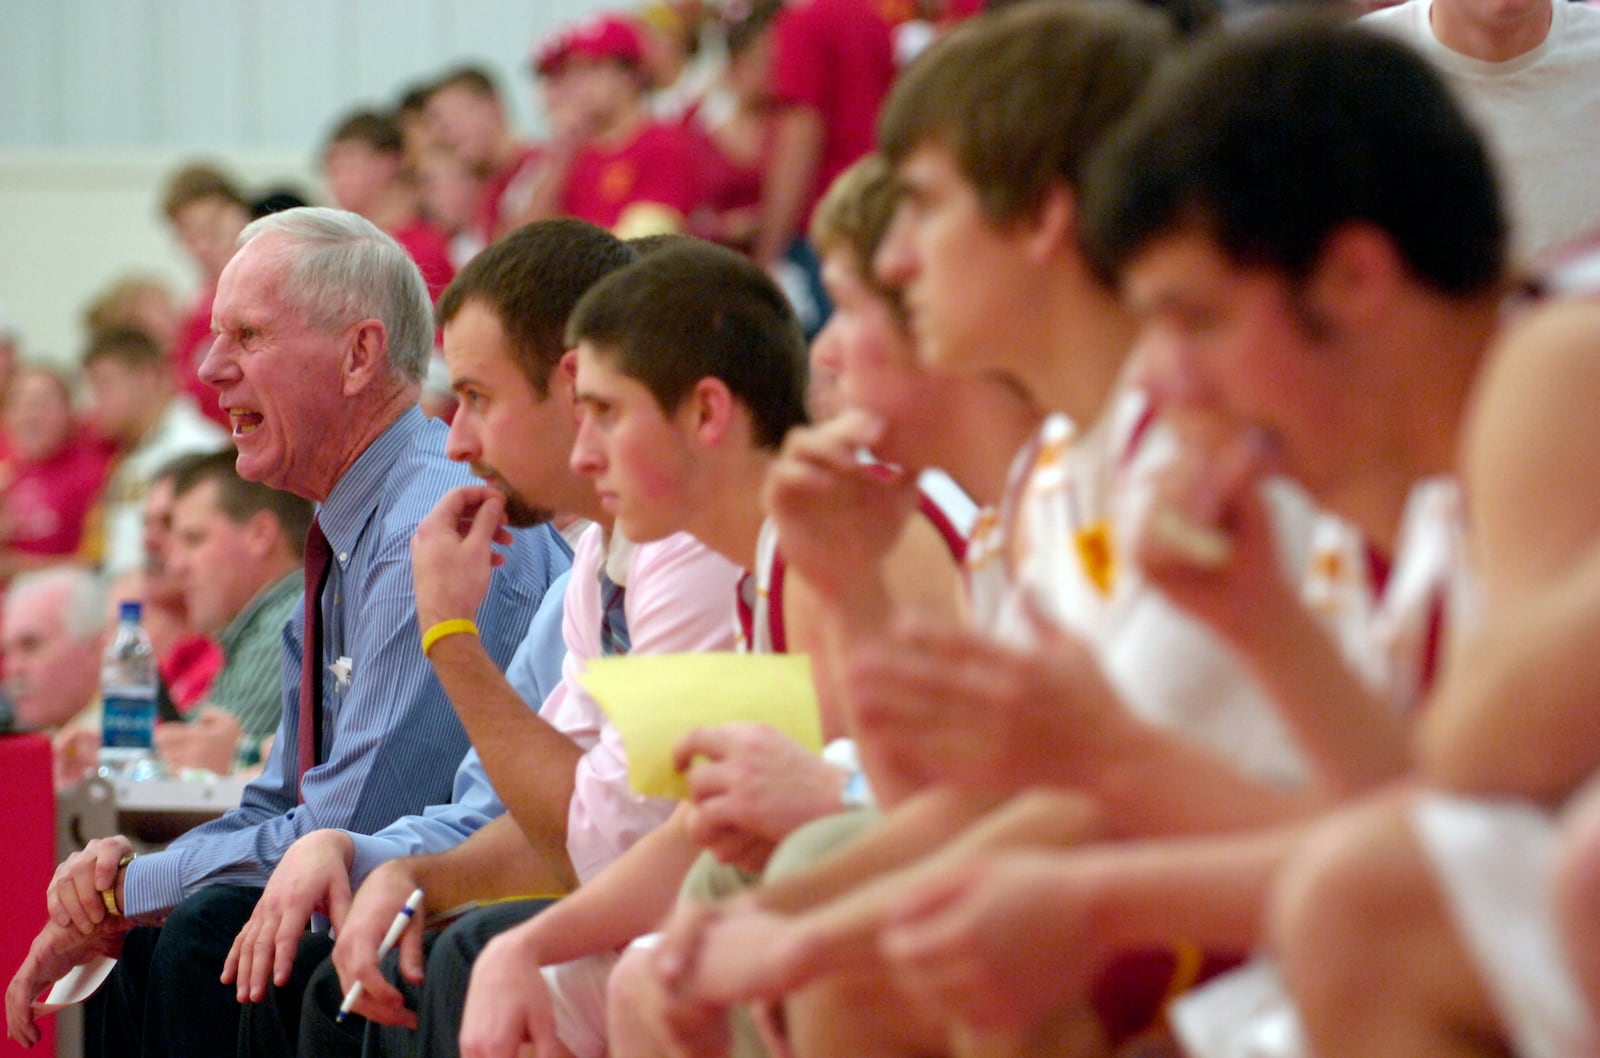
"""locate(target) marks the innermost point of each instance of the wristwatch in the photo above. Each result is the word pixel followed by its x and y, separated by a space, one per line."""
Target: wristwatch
pixel 109 896
pixel 857 792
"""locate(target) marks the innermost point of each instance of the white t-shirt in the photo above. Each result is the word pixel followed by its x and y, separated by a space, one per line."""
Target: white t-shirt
pixel 1540 113
pixel 182 430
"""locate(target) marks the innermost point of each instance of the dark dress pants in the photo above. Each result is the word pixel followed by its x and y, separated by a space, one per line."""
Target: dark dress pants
pixel 165 998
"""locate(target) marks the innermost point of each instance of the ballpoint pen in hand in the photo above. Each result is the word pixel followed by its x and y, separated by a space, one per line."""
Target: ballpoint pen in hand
pixel 397 927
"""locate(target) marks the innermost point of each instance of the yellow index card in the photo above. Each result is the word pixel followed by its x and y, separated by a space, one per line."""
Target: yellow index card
pixel 656 699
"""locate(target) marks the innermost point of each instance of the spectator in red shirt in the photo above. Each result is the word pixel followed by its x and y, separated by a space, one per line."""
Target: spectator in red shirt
pixel 609 161
pixel 467 117
pixel 207 212
pixel 832 65
pixel 450 191
pixel 734 124
pixel 364 165
pixel 50 480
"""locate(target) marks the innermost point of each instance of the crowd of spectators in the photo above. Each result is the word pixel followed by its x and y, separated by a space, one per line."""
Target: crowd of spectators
pixel 661 119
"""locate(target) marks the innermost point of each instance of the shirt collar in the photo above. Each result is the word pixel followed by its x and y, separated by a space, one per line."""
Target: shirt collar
pixel 359 489
pixel 291 583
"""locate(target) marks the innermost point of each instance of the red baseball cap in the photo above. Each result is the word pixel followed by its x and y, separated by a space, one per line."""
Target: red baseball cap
pixel 602 36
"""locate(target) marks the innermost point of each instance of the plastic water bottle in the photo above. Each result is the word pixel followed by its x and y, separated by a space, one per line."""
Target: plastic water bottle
pixel 128 699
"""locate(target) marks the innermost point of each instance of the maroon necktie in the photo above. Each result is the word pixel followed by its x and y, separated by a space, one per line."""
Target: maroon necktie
pixel 318 554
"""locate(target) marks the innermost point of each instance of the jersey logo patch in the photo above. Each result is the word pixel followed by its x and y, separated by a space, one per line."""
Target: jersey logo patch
pixel 1095 552
pixel 618 179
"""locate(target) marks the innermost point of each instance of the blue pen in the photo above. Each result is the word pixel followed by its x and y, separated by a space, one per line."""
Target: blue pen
pixel 397 927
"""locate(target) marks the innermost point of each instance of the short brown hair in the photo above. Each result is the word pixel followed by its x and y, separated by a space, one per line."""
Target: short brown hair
pixel 195 182
pixel 854 215
pixel 531 279
pixel 378 131
pixel 694 311
pixel 115 305
pixel 645 245
pixel 1021 96
pixel 240 500
pixel 127 346
pixel 473 78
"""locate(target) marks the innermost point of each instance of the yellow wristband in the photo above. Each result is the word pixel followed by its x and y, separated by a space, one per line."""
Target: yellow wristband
pixel 456 626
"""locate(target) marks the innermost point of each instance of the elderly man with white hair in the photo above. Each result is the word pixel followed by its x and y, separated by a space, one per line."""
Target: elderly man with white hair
pixel 323 332
pixel 52 631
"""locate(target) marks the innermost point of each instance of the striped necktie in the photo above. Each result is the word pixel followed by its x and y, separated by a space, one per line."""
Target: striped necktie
pixel 613 617
pixel 318 557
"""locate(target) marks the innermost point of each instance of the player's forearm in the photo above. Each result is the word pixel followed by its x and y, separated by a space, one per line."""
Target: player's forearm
pixel 496 862
pixel 844 931
pixel 1146 786
pixel 829 628
pixel 1480 735
pixel 1352 739
pixel 920 577
pixel 1208 891
pixel 530 763
pixel 626 900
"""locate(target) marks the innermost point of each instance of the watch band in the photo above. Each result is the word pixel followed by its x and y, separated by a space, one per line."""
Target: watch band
pixel 109 896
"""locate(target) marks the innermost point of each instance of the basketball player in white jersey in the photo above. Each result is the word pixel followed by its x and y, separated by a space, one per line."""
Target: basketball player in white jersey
pixel 689 375
pixel 1215 528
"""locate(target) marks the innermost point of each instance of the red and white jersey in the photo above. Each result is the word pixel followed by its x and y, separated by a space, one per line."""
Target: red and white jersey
pixel 1391 616
pixel 758 608
pixel 1494 859
pixel 1065 534
pixel 1061 528
pixel 949 509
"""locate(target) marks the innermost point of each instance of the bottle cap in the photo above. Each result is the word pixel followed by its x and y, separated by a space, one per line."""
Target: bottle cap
pixel 128 610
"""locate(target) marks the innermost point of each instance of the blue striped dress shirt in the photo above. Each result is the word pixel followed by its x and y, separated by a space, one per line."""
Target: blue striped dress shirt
pixel 533 673
pixel 391 741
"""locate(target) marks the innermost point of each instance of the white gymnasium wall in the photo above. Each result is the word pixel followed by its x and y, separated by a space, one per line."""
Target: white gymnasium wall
pixel 101 99
pixel 76 220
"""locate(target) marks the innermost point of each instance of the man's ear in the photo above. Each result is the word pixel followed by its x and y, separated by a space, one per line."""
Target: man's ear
pixel 366 356
pixel 562 384
pixel 1054 226
pixel 263 534
pixel 1357 274
pixel 565 373
pixel 710 411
